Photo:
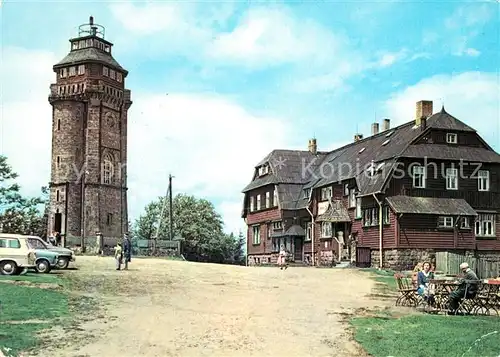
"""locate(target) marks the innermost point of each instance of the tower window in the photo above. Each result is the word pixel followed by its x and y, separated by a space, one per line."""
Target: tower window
pixel 107 48
pixel 81 69
pixel 105 71
pixel 58 124
pixel 119 77
pixel 109 219
pixel 74 45
pixel 63 73
pixel 57 195
pixel 112 74
pixel 58 161
pixel 107 171
pixel 72 71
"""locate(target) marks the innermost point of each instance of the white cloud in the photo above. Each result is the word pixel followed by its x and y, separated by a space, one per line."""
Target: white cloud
pixel 472 97
pixel 26 114
pixel 208 142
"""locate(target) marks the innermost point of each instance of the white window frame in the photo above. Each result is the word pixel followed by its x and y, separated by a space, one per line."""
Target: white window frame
pixel 419 174
pixel 352 198
pixel 346 189
pixel 107 172
pixel 308 231
pixel 451 177
pixel 63 73
pixel 375 217
pixel 256 235
pixel 485 225
pixel 326 193
pixel 326 230
pixel 367 217
pixel 359 213
pixel 451 138
pixel 386 213
pixel 119 77
pixel 278 225
pixel 483 180
pixel 445 222
pixel 268 199
pixel 81 69
pixel 252 204
pixel 105 71
pixel 464 223
pixel 72 71
pixel 259 207
pixel 275 198
pixel 112 74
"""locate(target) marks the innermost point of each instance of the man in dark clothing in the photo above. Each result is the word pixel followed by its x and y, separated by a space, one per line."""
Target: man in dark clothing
pixel 467 288
pixel 58 239
pixel 127 251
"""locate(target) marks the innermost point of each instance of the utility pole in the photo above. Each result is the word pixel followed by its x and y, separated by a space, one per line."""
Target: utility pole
pixel 171 215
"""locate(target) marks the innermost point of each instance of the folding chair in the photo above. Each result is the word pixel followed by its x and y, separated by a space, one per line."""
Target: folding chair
pixel 407 292
pixel 468 302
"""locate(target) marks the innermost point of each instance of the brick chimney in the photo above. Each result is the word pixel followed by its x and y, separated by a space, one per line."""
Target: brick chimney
pixel 358 137
pixel 423 110
pixel 313 147
pixel 374 128
pixel 386 124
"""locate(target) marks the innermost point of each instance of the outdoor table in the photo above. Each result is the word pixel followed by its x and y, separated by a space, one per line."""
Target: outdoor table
pixel 442 289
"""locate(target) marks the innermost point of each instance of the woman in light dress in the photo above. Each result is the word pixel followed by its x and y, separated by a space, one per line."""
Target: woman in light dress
pixel 282 258
pixel 423 282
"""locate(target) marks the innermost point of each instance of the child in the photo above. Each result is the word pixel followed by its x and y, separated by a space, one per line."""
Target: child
pixel 118 256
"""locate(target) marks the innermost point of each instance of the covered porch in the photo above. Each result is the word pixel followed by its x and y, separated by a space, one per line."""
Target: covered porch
pixel 293 241
pixel 335 227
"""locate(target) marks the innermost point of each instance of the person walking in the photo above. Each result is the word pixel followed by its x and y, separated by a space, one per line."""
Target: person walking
pixel 118 256
pixel 127 251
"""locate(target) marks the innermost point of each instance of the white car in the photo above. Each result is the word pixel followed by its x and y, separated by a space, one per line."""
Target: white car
pixel 15 254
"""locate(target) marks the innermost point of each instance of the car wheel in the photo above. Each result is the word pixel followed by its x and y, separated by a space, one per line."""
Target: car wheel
pixel 43 266
pixel 62 263
pixel 8 267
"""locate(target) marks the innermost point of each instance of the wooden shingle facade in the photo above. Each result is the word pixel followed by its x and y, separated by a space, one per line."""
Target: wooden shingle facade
pixel 393 198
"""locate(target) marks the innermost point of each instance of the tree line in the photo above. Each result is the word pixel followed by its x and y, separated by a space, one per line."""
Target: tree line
pixel 196 223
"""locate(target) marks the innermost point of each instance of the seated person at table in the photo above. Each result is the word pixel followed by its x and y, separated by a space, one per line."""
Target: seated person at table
pixel 423 278
pixel 468 282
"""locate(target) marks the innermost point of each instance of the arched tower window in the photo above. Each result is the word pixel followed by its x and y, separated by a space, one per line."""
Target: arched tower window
pixel 107 170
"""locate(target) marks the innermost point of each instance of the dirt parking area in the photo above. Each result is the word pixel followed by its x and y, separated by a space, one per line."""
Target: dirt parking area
pixel 174 308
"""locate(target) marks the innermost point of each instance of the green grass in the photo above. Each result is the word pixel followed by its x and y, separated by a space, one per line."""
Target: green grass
pixel 27 309
pixel 428 335
pixel 425 335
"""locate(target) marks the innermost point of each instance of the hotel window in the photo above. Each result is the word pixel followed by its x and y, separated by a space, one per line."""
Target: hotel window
pixel 452 179
pixel 256 235
pixel 258 203
pixel 445 222
pixel 268 200
pixel 326 229
pixel 352 198
pixel 358 207
pixel 451 138
pixel 72 71
pixel 308 231
pixel 485 225
pixel 418 174
pixel 326 193
pixel 81 69
pixel 63 73
pixel 386 214
pixel 483 180
pixel 252 204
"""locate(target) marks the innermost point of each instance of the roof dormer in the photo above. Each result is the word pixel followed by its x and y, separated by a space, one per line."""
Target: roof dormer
pixel 263 170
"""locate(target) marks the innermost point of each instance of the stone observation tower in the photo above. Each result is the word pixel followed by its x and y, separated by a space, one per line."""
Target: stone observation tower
pixel 88 186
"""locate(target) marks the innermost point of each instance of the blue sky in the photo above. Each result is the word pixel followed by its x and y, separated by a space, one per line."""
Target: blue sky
pixel 243 79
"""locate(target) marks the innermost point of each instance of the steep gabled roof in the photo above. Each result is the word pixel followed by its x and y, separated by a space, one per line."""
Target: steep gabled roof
pixel 89 54
pixel 445 121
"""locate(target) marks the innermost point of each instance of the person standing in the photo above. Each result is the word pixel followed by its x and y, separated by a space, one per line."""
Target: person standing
pixel 58 239
pixel 118 256
pixel 127 251
pixel 282 258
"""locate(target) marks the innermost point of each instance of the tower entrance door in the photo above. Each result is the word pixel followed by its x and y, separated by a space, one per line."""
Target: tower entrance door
pixel 58 222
